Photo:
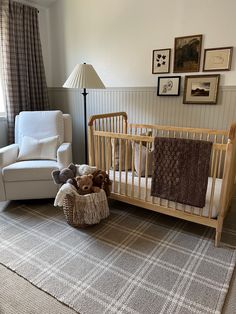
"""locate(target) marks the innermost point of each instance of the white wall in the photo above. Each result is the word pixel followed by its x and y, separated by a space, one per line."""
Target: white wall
pixel 118 37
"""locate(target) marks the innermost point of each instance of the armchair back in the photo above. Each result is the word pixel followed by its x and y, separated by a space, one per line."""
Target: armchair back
pixel 42 124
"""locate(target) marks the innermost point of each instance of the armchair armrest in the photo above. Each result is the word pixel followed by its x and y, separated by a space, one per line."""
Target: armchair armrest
pixel 8 155
pixel 64 155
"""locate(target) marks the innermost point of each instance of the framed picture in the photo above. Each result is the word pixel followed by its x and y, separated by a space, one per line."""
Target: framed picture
pixel 168 85
pixel 217 59
pixel 201 89
pixel 187 53
pixel 161 61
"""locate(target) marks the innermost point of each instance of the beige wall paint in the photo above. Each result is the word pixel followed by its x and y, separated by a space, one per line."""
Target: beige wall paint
pixel 118 37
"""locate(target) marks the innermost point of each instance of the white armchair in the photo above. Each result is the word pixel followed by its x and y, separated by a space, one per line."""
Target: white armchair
pixel 30 179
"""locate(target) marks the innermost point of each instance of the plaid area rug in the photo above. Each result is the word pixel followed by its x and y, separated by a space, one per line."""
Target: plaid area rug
pixel 136 261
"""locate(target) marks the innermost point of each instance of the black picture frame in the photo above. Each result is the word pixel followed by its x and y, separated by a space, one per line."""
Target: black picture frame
pixel 168 85
pixel 161 61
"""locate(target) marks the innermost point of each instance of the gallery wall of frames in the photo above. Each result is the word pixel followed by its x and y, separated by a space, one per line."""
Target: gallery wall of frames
pixel 198 89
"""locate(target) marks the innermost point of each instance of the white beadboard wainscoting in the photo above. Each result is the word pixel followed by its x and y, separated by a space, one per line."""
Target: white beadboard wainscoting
pixel 143 106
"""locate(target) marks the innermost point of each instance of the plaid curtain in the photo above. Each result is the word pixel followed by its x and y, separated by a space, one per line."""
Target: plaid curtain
pixel 23 71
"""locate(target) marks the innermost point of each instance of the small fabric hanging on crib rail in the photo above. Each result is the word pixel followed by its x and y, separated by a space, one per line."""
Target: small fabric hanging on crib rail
pixel 180 170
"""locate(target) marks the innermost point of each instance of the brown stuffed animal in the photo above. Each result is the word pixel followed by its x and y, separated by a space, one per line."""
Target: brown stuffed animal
pixel 66 175
pixel 107 185
pixel 85 184
pixel 101 180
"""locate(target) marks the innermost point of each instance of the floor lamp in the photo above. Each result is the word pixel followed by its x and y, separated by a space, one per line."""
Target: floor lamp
pixel 84 76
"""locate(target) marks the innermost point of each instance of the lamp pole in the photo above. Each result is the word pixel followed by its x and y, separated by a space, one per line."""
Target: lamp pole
pixel 84 76
pixel 85 126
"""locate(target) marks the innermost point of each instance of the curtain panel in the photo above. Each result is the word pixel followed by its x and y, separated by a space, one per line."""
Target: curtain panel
pixel 22 61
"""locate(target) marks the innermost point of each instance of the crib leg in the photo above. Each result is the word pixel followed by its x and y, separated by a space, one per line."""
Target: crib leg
pixel 219 228
pixel 217 238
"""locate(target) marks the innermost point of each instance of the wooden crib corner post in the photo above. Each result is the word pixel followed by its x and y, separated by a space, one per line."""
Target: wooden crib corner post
pixel 91 142
pixel 227 182
pixel 125 122
pixel 232 132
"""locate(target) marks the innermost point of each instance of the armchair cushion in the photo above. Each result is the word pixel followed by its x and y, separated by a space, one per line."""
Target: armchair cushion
pixel 29 170
pixel 32 148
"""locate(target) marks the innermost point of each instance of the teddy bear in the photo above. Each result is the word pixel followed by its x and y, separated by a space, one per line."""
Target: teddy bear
pixel 65 175
pixel 101 180
pixel 84 169
pixel 85 184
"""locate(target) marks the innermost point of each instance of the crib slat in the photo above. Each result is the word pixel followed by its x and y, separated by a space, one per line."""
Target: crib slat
pixel 215 138
pixel 146 171
pixel 118 124
pixel 113 124
pixel 219 164
pixel 103 147
pixel 120 163
pixel 96 153
pixel 114 165
pixel 126 166
pixel 213 184
pixel 139 173
pixel 133 156
pixel 213 161
pixel 108 154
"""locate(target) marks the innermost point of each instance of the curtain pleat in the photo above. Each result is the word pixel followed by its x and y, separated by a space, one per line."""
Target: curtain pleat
pixel 23 69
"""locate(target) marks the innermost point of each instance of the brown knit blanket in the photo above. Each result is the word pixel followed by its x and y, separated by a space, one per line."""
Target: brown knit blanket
pixel 180 170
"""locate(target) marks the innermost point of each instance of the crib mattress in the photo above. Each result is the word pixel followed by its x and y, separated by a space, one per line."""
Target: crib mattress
pixel 119 186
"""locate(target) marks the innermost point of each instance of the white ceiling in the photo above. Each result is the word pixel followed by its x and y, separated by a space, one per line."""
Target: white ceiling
pixel 42 3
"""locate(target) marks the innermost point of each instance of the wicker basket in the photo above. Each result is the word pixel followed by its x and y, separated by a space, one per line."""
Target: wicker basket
pixel 85 210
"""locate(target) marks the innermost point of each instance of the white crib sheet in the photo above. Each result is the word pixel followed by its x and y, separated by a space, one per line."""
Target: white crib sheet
pixel 121 190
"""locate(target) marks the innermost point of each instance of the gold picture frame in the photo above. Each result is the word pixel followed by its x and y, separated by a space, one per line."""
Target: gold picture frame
pixel 217 59
pixel 201 89
pixel 187 53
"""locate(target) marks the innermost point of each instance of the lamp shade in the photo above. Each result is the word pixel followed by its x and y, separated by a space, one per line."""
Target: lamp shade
pixel 84 76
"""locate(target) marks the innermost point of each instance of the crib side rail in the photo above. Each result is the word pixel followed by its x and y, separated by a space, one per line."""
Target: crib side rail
pixel 216 136
pixel 107 122
pixel 126 157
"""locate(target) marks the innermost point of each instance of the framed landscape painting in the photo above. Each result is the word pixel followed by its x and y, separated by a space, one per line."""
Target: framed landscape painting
pixel 201 89
pixel 187 53
pixel 168 85
pixel 217 59
pixel 161 61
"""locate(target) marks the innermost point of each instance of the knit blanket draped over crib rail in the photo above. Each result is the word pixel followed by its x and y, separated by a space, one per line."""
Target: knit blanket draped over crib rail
pixel 180 170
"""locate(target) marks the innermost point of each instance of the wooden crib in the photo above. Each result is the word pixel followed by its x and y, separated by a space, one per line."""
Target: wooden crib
pixel 118 148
